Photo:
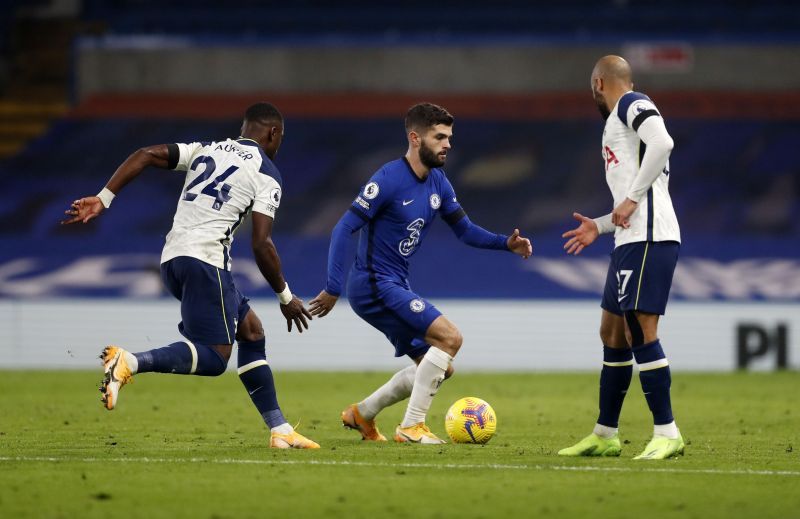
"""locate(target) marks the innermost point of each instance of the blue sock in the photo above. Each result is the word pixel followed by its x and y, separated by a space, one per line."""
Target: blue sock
pixel 183 358
pixel 256 375
pixel 655 377
pixel 615 378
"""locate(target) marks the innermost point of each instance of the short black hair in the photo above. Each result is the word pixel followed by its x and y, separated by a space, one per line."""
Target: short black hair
pixel 426 115
pixel 263 113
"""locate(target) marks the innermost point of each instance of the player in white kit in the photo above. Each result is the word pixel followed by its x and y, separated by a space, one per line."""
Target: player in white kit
pixel 636 149
pixel 225 181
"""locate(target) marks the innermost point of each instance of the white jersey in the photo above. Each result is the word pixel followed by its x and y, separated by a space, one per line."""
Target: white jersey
pixel 623 150
pixel 224 182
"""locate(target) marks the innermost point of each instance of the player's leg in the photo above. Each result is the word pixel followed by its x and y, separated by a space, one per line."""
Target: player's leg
pixel 208 324
pixel 615 375
pixel 361 416
pixel 182 358
pixel 656 380
pixel 445 340
pixel 256 376
pixel 652 265
pixel 615 378
pixel 370 307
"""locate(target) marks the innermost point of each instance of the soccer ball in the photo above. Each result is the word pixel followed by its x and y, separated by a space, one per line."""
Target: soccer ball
pixel 470 420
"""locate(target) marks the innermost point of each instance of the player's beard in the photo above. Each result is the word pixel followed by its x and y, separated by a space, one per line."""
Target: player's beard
pixel 428 158
pixel 601 105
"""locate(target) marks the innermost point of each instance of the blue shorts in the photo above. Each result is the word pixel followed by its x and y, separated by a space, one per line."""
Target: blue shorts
pixel 211 306
pixel 640 277
pixel 403 316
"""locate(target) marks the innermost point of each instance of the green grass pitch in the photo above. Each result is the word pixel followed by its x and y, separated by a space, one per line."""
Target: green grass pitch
pixel 195 447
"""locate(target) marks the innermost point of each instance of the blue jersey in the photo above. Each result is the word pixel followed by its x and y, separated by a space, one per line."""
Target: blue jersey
pixel 393 213
pixel 399 209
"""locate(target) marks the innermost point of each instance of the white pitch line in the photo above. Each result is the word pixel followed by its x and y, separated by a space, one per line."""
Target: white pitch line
pixel 493 466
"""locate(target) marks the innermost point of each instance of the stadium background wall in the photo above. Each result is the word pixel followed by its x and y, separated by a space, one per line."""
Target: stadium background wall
pixel 162 65
pixel 499 335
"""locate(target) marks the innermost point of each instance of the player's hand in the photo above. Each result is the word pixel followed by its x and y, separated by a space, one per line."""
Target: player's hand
pixel 622 213
pixel 519 245
pixel 582 236
pixel 296 313
pixel 322 304
pixel 83 210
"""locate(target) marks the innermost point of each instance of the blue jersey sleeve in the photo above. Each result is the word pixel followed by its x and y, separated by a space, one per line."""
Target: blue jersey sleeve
pixel 337 253
pixel 476 236
pixel 466 231
pixel 370 200
pixel 450 206
pixel 374 195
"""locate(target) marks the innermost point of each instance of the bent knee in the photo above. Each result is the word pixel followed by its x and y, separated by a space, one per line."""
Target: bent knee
pixel 453 340
pixel 250 328
pixel 214 361
pixel 449 372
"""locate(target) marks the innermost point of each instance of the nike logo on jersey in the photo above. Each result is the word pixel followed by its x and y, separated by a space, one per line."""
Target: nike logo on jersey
pixel 406 202
pixel 621 298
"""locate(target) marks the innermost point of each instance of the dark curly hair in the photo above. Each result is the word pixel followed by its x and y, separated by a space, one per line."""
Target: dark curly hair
pixel 425 115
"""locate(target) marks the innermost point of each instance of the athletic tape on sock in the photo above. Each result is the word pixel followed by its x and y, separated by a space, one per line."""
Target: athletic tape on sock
pixel 438 358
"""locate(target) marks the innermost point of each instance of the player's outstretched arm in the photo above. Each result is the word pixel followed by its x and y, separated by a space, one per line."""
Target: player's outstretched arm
pixel 269 263
pixel 342 233
pixel 582 236
pixel 476 236
pixel 88 208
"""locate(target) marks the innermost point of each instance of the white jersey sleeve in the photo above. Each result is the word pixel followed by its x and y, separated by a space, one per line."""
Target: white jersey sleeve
pixel 268 196
pixel 637 111
pixel 186 153
pixel 658 144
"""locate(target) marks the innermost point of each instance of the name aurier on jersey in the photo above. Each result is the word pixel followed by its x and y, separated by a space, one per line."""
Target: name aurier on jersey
pixel 231 148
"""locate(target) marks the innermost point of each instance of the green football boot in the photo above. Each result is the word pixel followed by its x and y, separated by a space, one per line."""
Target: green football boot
pixel 594 445
pixel 661 448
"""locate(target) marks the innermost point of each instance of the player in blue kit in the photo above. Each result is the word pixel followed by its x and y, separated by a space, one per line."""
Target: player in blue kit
pixel 225 181
pixel 392 214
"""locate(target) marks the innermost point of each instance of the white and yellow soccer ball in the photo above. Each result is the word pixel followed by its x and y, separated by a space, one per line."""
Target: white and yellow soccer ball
pixel 470 420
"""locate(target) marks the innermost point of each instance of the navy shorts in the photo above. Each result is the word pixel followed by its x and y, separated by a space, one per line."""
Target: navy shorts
pixel 211 305
pixel 403 316
pixel 640 277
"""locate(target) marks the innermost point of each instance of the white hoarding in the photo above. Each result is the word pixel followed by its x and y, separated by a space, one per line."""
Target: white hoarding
pixel 498 335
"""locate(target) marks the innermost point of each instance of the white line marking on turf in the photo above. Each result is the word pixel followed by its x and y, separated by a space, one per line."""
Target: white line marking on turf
pixel 494 466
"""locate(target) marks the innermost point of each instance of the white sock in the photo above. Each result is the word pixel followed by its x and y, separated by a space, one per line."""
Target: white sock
pixel 397 388
pixel 429 376
pixel 132 361
pixel 669 430
pixel 605 431
pixel 283 428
